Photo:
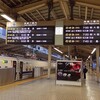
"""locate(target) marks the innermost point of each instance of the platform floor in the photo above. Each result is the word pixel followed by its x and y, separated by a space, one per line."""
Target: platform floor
pixel 45 89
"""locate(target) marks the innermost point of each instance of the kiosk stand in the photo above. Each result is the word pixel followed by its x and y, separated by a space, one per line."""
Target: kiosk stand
pixel 69 72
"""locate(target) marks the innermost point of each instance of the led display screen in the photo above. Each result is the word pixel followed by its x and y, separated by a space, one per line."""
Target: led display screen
pixel 83 34
pixel 31 35
pixel 69 70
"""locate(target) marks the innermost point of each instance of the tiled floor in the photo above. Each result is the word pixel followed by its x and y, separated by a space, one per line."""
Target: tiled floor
pixel 45 89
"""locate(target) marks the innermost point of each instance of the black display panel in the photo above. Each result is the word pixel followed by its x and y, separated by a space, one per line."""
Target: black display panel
pixel 31 35
pixel 83 34
pixel 69 71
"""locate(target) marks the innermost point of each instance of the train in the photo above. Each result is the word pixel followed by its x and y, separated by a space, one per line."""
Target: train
pixel 26 68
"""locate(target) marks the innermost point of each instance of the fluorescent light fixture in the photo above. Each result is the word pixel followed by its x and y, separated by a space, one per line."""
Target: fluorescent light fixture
pixel 58 50
pixel 93 50
pixel 67 56
pixel 88 56
pixel 75 57
pixel 7 17
pixel 1 28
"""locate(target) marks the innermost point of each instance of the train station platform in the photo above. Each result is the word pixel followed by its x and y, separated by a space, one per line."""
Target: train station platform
pixel 45 89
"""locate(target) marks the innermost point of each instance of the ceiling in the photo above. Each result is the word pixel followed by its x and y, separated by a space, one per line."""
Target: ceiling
pixel 37 10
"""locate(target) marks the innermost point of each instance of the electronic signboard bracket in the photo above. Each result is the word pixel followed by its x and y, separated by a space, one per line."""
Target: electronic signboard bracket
pixel 50 7
pixel 72 4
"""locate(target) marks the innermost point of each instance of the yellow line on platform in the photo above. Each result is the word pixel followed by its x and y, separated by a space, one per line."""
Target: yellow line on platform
pixel 20 82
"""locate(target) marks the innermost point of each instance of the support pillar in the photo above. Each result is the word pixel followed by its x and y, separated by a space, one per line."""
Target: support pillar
pixel 91 61
pixel 97 61
pixel 63 57
pixel 49 60
pixel 91 71
pixel 69 51
pixel 89 68
pixel 70 56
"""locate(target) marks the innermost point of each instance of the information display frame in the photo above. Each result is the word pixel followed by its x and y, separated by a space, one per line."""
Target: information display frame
pixel 36 35
pixel 81 35
pixel 66 81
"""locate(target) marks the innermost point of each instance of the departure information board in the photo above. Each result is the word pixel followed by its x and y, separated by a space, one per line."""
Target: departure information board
pixel 84 34
pixel 31 35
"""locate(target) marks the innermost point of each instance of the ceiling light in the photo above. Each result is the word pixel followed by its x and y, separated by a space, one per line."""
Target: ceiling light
pixel 7 17
pixel 93 50
pixel 84 21
pixel 75 57
pixel 58 50
pixel 88 21
pixel 67 56
pixel 89 56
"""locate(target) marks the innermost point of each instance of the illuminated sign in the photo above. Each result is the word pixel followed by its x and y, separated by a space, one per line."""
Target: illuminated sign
pixel 84 34
pixel 31 35
pixel 4 61
pixel 91 22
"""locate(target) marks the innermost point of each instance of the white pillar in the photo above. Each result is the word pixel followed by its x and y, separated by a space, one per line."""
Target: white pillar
pixel 70 56
pixel 91 61
pixel 89 68
pixel 49 60
pixel 69 51
pixel 63 57
pixel 91 71
pixel 97 61
pixel 87 64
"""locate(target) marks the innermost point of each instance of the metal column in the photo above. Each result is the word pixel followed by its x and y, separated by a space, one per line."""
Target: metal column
pixel 97 61
pixel 91 71
pixel 69 51
pixel 70 56
pixel 63 57
pixel 49 60
pixel 91 61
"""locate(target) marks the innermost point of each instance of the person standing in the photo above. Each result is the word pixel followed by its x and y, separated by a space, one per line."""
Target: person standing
pixel 85 71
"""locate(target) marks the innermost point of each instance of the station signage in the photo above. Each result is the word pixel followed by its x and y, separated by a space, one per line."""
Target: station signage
pixel 31 35
pixel 81 34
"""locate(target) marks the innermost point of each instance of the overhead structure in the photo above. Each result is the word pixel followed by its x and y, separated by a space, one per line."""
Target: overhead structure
pixel 50 7
pixel 37 10
pixel 72 4
pixel 65 8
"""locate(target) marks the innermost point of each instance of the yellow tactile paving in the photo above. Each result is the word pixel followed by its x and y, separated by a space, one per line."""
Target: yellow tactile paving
pixel 19 82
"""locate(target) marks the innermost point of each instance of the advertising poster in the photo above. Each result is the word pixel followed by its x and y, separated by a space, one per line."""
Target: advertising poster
pixel 69 70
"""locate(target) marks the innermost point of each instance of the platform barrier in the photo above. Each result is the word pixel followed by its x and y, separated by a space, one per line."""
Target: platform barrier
pixel 7 76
